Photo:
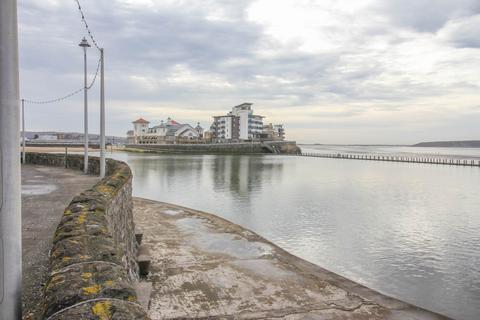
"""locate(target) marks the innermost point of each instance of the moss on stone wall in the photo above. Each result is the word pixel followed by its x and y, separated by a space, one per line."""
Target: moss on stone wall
pixel 93 258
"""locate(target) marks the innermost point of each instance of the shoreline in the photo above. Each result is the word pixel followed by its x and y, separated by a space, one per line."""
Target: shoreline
pixel 206 266
pixel 270 147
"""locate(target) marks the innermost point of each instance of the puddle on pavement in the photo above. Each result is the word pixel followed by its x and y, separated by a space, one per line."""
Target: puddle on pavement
pixel 172 212
pixel 37 189
pixel 206 239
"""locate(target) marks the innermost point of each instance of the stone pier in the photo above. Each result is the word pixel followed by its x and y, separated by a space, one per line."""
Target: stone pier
pixel 203 266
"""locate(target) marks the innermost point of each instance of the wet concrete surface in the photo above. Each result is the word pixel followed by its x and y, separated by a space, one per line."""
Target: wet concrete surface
pixel 206 267
pixel 46 191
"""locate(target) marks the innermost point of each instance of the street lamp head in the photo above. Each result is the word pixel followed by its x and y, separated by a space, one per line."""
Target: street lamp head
pixel 84 43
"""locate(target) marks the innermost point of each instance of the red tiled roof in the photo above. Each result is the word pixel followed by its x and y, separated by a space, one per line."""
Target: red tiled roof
pixel 141 120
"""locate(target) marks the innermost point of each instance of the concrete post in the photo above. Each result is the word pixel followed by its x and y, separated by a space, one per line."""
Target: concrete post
pixel 102 115
pixel 10 184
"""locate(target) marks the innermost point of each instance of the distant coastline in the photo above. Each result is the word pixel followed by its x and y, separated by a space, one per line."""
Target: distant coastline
pixel 449 144
pixel 429 144
pixel 354 145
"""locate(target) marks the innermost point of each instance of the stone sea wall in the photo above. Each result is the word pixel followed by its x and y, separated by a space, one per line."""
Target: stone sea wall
pixel 93 259
pixel 281 147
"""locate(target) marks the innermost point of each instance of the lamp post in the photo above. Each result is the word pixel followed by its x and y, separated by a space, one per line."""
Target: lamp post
pixel 102 115
pixel 10 182
pixel 84 44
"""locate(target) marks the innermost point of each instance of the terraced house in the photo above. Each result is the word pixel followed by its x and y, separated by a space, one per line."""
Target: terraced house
pixel 169 131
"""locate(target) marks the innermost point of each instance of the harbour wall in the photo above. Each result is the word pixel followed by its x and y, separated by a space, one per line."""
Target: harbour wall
pixel 280 147
pixel 93 267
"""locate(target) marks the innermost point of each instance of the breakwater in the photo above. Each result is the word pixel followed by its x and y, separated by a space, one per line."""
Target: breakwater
pixel 214 269
pixel 426 160
pixel 93 265
pixel 280 147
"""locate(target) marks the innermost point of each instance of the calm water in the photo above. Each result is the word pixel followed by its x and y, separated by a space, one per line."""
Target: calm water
pixel 411 231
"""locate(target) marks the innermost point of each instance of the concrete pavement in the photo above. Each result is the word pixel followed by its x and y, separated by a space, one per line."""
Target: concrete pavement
pixel 203 266
pixel 46 191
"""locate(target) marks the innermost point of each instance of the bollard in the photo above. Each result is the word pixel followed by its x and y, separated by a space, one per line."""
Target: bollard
pixel 138 238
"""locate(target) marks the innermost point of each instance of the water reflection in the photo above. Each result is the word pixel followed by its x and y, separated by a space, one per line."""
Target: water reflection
pixel 242 175
pixel 409 230
pixel 238 176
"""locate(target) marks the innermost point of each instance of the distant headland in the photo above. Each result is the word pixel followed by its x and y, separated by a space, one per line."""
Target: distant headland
pixel 449 144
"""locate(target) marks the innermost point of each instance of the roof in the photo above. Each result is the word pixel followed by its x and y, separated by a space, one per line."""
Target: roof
pixel 140 120
pixel 172 129
pixel 245 104
pixel 227 115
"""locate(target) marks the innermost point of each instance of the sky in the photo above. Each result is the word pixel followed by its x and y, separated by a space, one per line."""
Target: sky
pixel 331 71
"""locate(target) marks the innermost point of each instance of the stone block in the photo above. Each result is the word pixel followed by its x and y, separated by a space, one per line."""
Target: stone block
pixel 100 310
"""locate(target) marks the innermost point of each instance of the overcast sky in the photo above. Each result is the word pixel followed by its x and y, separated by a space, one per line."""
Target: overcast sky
pixel 332 71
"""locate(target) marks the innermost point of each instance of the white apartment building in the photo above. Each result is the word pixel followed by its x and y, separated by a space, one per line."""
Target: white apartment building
pixel 273 132
pixel 240 124
pixel 226 127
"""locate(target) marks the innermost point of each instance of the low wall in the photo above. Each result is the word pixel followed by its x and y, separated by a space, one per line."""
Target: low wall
pixel 93 259
pixel 281 147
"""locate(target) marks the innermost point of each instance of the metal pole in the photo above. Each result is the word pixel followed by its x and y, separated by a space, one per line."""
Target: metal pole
pixel 23 131
pixel 10 178
pixel 102 115
pixel 85 111
pixel 66 157
pixel 84 44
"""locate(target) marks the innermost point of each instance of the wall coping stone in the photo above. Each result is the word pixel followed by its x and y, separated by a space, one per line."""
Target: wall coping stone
pixel 93 264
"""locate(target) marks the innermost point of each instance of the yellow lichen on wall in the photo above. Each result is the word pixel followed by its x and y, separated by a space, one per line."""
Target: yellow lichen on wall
pixel 106 190
pixel 92 289
pixel 102 310
pixel 86 275
pixel 81 218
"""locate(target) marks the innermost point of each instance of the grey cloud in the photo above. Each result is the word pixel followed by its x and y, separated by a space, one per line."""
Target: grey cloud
pixel 147 42
pixel 463 33
pixel 427 15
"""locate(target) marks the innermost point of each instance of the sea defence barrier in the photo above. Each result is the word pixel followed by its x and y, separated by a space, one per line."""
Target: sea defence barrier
pixel 426 160
pixel 270 147
pixel 93 267
pixel 212 268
